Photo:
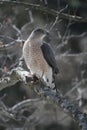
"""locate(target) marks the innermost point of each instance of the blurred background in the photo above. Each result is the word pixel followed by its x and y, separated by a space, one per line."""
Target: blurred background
pixel 69 42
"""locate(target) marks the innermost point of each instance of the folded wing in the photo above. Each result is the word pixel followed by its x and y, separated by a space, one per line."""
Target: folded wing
pixel 49 56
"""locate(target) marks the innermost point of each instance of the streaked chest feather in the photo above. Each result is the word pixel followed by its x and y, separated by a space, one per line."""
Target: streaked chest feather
pixel 34 58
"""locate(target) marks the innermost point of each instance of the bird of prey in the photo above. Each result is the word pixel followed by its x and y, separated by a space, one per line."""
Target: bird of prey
pixel 39 57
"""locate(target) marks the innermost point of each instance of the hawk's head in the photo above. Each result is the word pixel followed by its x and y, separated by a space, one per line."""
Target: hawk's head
pixel 39 33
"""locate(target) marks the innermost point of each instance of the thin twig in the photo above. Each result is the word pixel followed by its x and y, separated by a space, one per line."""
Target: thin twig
pixel 75 87
pixel 57 18
pixel 22 104
pixel 74 55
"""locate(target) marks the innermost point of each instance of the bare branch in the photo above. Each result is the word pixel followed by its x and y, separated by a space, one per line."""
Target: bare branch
pixel 14 117
pixel 46 10
pixel 10 45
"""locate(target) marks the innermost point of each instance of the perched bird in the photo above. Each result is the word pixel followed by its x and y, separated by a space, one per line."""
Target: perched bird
pixel 39 57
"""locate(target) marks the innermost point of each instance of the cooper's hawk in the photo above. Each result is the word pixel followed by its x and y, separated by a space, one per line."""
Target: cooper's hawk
pixel 39 57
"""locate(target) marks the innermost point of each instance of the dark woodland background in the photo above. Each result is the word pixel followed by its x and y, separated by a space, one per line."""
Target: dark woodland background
pixel 69 41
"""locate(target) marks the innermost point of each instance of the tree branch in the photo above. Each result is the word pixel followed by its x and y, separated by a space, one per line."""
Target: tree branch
pixel 39 87
pixel 45 10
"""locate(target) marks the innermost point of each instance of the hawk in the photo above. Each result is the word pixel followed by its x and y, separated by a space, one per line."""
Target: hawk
pixel 39 57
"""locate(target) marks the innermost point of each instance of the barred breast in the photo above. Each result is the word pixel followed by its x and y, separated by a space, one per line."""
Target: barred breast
pixel 34 59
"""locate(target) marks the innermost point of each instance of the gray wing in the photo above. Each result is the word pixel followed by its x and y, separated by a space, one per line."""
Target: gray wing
pixel 49 56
